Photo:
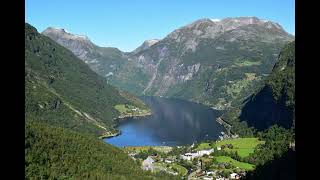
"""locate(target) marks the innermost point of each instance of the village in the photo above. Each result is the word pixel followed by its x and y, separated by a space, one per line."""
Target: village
pixel 206 160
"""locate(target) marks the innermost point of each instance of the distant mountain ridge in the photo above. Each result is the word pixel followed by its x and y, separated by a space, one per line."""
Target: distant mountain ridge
pixel 215 62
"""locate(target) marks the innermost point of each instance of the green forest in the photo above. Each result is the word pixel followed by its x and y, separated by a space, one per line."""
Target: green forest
pixel 58 153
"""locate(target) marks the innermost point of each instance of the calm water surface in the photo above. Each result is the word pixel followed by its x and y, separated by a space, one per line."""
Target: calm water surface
pixel 173 122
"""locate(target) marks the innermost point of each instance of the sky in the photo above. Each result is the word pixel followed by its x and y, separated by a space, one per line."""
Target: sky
pixel 126 24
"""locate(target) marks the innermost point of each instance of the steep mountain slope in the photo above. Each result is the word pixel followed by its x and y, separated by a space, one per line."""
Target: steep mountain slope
pixel 215 62
pixel 275 102
pixel 103 60
pixel 62 90
pixel 58 153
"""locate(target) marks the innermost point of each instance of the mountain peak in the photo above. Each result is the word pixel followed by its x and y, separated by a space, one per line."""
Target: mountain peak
pixel 64 33
pixel 80 45
pixel 234 22
pixel 210 28
pixel 145 45
pixel 151 42
pixel 215 20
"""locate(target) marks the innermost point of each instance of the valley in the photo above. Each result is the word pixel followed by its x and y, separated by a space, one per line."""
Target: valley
pixel 214 99
pixel 204 61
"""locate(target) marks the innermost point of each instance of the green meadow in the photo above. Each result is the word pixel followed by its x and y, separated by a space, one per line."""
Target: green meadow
pixel 235 163
pixel 244 146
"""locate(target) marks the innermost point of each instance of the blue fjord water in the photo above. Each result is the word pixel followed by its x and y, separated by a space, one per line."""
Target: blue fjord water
pixel 173 122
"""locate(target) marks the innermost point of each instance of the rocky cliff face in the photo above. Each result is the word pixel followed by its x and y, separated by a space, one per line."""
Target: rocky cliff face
pixel 216 62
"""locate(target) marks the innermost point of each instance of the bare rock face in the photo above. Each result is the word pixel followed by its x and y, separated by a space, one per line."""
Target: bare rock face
pixel 146 44
pixel 192 34
pixel 80 45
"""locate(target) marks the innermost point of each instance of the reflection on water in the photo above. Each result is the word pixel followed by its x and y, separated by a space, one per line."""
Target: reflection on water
pixel 173 122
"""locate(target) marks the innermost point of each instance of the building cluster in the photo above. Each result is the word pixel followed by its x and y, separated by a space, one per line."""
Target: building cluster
pixel 190 156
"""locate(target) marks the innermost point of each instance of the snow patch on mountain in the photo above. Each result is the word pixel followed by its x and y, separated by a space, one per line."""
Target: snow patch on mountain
pixel 215 20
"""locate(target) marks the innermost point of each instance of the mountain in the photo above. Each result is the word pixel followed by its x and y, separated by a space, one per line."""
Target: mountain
pixel 215 62
pixel 61 90
pixel 212 62
pixel 103 60
pixel 145 45
pixel 67 106
pixel 59 153
pixel 275 102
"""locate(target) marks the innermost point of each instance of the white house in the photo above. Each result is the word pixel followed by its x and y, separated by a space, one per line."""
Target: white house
pixel 234 176
pixel 203 152
pixel 187 156
pixel 190 156
pixel 210 173
pixel 147 164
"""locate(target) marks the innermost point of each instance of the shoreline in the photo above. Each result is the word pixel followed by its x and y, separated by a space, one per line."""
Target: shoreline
pixel 118 119
pixel 226 125
pixel 110 135
pixel 132 116
pixel 124 117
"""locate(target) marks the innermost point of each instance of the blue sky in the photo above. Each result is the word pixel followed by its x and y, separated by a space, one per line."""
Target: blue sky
pixel 125 24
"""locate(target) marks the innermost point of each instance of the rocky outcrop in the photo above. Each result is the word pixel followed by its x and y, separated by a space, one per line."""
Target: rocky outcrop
pixel 80 45
pixel 146 44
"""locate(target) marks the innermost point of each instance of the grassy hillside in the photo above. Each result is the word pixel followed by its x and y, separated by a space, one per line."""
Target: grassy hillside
pixel 235 163
pixel 62 90
pixel 58 153
pixel 243 146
